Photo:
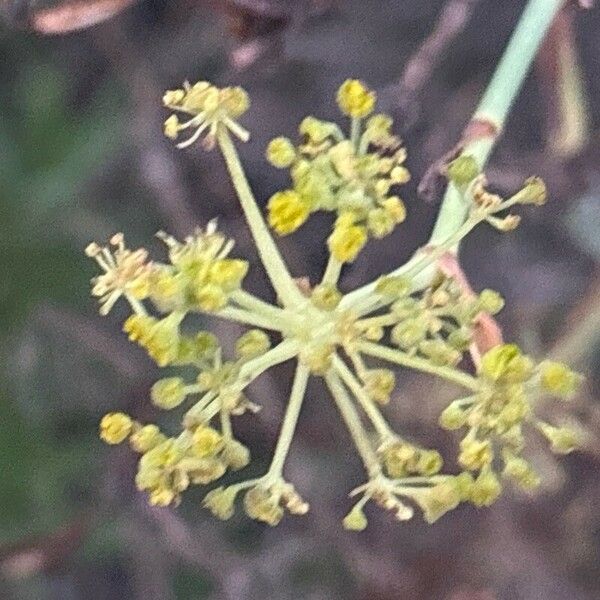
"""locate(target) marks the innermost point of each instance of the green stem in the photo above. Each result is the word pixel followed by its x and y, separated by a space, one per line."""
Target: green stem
pixel 352 420
pixel 332 271
pixel 251 302
pixel 280 278
pixel 493 110
pixel 419 269
pixel 226 428
pixel 378 420
pixel 249 318
pixel 253 368
pixel 420 364
pixel 497 101
pixel 289 421
pixel 355 133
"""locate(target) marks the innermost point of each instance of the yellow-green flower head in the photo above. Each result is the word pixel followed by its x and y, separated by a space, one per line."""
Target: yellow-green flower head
pixel 206 441
pixel 399 458
pixel 202 270
pixel 281 152
pixel 252 344
pixel 505 363
pixel 355 520
pixel 126 272
pixel 145 438
pixel 563 440
pixel 346 176
pixel 209 107
pixel 490 302
pixel 160 338
pixel 437 500
pixel 235 455
pixel 346 242
pixel 326 296
pixel 453 416
pixel 379 384
pixel 220 502
pixel 520 471
pixel 287 212
pixel 429 463
pixel 475 454
pixel 485 489
pixel 355 99
pixel 168 469
pixel 557 379
pixel 168 393
pixel 262 504
pixel 115 427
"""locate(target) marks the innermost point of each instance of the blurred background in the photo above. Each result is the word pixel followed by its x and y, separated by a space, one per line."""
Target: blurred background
pixel 82 155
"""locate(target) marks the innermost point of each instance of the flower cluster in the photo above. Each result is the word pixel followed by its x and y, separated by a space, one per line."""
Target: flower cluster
pixel 353 178
pixel 209 108
pixel 418 316
pixel 495 416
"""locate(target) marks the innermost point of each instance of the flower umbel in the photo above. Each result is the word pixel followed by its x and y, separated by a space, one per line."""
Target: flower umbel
pixel 416 317
pixel 210 109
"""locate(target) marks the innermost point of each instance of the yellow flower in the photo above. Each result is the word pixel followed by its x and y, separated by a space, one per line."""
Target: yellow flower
pixel 558 379
pixel 115 427
pixel 505 363
pixel 126 272
pixel 346 242
pixel 287 212
pixel 210 108
pixel 253 343
pixel 395 208
pixel 146 438
pixel 206 441
pixel 355 99
pixel 379 384
pixel 281 152
pixel 220 502
pixel 171 127
pixel 168 393
pixel 475 454
pixel 228 273
pixel 355 520
pixel 485 489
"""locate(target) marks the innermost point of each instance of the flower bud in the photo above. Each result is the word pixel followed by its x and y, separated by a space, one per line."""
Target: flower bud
pixel 168 393
pixel 115 427
pixel 355 99
pixel 379 384
pixel 490 302
pixel 326 297
pixel 355 520
pixel 281 152
pixel 556 378
pixel 563 440
pixel 146 438
pixel 345 242
pixel 235 455
pixel 453 417
pixel 220 502
pixel 505 363
pixel 252 344
pixel 287 212
pixel 475 454
pixel 486 489
pixel 206 441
